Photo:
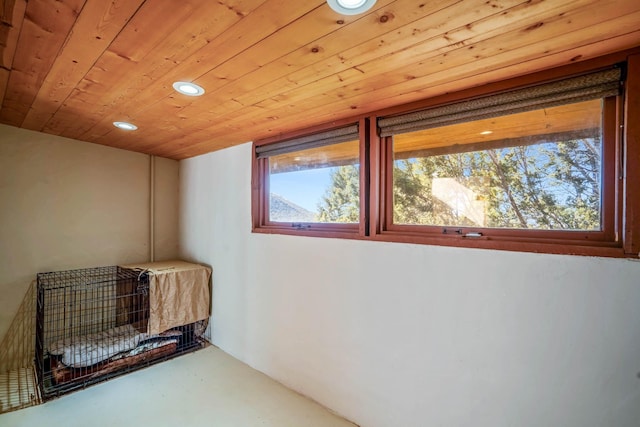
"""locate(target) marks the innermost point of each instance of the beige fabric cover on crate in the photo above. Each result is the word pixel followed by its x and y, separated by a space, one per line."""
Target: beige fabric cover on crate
pixel 179 293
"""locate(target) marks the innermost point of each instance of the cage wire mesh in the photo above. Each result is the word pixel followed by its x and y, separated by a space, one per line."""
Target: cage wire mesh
pixel 91 325
pixel 18 385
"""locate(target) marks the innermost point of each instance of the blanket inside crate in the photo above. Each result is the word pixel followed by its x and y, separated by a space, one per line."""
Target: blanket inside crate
pixel 121 341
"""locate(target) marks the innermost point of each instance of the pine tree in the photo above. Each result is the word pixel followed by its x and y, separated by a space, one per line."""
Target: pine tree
pixel 547 185
pixel 341 201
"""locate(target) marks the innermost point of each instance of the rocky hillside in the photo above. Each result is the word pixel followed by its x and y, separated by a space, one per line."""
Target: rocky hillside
pixel 284 210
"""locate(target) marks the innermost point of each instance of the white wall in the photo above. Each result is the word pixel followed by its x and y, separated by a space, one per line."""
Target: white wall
pixel 69 204
pixel 408 335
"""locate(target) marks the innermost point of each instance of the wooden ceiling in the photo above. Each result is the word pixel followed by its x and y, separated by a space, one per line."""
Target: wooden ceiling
pixel 72 67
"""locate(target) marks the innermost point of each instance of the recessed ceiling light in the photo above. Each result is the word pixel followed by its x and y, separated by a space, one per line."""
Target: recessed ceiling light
pixel 351 7
pixel 125 125
pixel 189 89
pixel 486 132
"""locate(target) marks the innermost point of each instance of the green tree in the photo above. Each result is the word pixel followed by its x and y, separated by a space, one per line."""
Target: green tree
pixel 341 200
pixel 546 185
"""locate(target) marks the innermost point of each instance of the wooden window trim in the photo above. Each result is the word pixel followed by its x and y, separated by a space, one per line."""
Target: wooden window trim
pixel 621 202
pixel 631 157
pixel 260 192
pixel 607 237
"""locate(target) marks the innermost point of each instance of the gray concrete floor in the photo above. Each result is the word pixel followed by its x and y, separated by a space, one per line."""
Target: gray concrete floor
pixel 205 388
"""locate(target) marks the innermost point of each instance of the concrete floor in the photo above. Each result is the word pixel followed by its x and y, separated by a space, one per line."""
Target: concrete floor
pixel 205 388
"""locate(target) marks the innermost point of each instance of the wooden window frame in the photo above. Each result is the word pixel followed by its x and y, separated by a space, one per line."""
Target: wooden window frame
pixel 496 238
pixel 620 236
pixel 260 192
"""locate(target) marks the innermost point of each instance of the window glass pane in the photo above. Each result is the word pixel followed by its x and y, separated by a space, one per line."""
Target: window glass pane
pixel 316 185
pixel 534 170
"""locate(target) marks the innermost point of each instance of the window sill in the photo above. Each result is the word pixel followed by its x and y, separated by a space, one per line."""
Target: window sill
pixel 608 250
pixel 562 247
pixel 324 230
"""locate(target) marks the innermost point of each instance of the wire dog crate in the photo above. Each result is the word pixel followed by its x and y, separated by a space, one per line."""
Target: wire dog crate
pixel 91 325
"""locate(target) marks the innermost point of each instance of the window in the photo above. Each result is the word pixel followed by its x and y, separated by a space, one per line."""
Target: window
pixel 536 170
pixel 538 167
pixel 312 182
pixel 535 163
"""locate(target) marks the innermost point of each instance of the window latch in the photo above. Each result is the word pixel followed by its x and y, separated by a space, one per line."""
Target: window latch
pixel 300 226
pixel 457 231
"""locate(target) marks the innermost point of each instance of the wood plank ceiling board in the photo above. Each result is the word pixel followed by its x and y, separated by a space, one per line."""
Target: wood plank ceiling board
pixel 11 16
pixel 465 75
pixel 324 55
pixel 222 47
pixel 134 63
pixel 95 29
pixel 381 87
pixel 10 24
pixel 347 62
pixel 334 58
pixel 430 65
pixel 564 57
pixel 439 70
pixel 72 67
pixel 316 45
pixel 44 29
pixel 306 27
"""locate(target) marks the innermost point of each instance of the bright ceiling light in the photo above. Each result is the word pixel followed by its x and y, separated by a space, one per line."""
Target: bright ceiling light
pixel 125 125
pixel 189 89
pixel 351 7
pixel 351 4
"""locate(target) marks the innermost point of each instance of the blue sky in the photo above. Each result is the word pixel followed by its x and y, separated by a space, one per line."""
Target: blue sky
pixel 304 188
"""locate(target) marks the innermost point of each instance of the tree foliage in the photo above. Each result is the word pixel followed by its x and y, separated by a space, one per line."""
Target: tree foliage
pixel 341 200
pixel 547 185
